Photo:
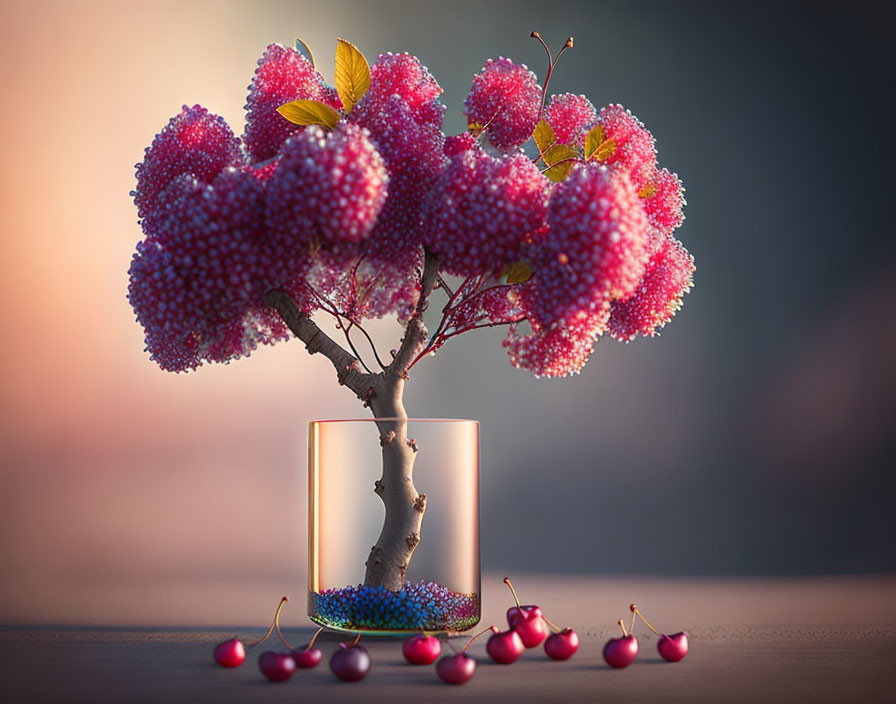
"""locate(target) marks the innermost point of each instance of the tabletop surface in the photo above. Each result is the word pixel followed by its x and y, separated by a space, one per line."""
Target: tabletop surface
pixel 807 639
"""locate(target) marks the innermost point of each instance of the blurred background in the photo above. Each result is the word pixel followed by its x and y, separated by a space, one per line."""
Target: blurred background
pixel 755 437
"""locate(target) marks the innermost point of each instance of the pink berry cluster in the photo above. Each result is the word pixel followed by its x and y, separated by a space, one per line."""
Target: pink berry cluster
pixel 341 201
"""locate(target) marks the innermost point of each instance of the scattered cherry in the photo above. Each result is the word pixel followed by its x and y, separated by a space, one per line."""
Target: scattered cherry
pixel 526 620
pixel 621 652
pixel 232 653
pixel 310 656
pixel 671 648
pixel 421 649
pixel 460 667
pixel 351 661
pixel 505 647
pixel 277 667
pixel 562 644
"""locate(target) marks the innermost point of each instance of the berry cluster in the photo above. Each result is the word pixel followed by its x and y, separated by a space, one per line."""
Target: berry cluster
pixel 337 196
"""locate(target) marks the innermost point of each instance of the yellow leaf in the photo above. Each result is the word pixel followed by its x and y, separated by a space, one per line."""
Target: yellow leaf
pixel 352 74
pixel 519 272
pixel 649 191
pixel 560 159
pixel 309 112
pixel 544 136
pixel 475 128
pixel 593 140
pixel 307 51
pixel 605 150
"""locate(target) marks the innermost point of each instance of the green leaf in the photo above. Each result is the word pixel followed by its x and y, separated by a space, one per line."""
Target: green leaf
pixel 544 136
pixel 309 112
pixel 560 159
pixel 593 140
pixel 352 74
pixel 519 272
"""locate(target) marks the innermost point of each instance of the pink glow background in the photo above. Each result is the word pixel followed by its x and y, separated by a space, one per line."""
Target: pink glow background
pixel 130 495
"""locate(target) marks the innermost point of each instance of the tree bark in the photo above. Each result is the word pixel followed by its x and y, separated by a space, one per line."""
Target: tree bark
pixel 383 393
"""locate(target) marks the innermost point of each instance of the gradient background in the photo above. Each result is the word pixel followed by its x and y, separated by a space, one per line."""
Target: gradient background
pixel 754 438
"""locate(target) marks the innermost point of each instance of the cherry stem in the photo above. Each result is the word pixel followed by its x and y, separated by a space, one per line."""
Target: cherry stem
pixel 622 626
pixel 494 629
pixel 277 623
pixel 513 591
pixel 632 629
pixel 314 638
pixel 635 610
pixel 271 629
pixel 357 638
pixel 553 627
pixel 552 63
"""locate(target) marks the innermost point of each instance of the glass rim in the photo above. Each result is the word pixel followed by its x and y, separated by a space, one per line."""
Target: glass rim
pixel 389 419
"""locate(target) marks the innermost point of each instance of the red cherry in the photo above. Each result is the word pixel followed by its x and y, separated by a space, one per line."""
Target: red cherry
pixel 421 649
pixel 526 620
pixel 350 662
pixel 673 648
pixel 309 656
pixel 621 652
pixel 562 645
pixel 505 647
pixel 459 668
pixel 456 669
pixel 277 667
pixel 230 653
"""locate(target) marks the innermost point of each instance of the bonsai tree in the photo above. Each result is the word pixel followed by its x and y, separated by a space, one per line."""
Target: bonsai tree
pixel 350 204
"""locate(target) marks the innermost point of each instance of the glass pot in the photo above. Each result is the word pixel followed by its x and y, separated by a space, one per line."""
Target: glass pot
pixel 437 583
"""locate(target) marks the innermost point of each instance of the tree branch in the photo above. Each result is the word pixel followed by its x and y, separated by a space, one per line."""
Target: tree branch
pixel 348 368
pixel 415 335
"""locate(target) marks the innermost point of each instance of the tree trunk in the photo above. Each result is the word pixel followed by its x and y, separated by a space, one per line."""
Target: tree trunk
pixel 383 393
pixel 389 558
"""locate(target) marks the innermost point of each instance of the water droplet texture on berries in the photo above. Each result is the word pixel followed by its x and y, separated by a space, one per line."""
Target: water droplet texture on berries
pixel 570 116
pixel 328 190
pixel 483 209
pixel 282 75
pixel 505 99
pixel 669 276
pixel 194 142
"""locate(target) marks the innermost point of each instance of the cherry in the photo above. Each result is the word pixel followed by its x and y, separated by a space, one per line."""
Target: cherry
pixel 505 647
pixel 621 652
pixel 277 667
pixel 671 648
pixel 310 656
pixel 232 653
pixel 562 644
pixel 421 649
pixel 460 667
pixel 526 620
pixel 350 662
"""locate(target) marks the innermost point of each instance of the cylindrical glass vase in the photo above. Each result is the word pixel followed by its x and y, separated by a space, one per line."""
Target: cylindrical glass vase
pixel 349 481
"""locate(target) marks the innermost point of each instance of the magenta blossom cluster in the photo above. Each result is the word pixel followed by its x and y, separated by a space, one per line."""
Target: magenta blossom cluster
pixel 341 209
